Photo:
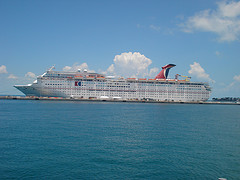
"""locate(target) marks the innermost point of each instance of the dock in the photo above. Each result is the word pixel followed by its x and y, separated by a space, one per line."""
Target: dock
pixel 112 100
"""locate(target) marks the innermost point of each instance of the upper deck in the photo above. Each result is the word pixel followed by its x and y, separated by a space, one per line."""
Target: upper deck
pixel 86 76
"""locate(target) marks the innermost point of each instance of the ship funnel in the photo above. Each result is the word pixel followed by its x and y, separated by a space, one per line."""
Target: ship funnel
pixel 164 72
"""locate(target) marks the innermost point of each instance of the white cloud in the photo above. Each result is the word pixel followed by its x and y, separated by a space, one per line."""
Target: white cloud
pixel 217 53
pixel 30 75
pixel 224 21
pixel 228 89
pixel 153 72
pixel 199 72
pixel 237 78
pixel 140 26
pixel 181 17
pixel 232 88
pixel 11 76
pixel 111 68
pixel 127 64
pixel 3 69
pixel 131 64
pixel 67 68
pixel 231 9
pixel 76 67
pixel 153 27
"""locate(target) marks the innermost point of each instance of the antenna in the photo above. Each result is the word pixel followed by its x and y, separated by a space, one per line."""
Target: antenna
pixel 53 67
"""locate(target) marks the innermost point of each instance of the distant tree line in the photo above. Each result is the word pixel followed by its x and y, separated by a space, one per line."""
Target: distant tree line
pixel 231 99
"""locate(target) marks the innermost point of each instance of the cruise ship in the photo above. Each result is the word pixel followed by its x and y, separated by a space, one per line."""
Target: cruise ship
pixel 87 85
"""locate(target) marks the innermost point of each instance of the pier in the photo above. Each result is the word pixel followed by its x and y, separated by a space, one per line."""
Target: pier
pixel 111 100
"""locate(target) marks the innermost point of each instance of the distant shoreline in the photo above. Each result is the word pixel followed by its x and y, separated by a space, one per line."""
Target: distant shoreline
pixel 110 100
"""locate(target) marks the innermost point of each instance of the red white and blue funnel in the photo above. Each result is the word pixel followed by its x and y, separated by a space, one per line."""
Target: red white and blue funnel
pixel 165 70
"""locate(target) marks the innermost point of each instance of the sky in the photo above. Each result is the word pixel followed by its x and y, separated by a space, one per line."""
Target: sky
pixel 128 38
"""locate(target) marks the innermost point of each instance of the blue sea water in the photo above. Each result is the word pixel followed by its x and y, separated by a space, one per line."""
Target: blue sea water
pixel 104 140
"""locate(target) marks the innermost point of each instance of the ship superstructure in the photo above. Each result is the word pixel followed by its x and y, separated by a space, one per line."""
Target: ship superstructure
pixel 86 85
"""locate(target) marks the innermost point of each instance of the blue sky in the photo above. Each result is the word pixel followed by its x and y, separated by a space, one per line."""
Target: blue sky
pixel 201 37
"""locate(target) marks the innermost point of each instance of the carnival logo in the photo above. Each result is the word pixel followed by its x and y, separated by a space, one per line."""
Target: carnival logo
pixel 77 83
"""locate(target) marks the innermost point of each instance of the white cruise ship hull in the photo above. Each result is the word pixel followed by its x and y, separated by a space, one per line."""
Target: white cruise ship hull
pixel 95 86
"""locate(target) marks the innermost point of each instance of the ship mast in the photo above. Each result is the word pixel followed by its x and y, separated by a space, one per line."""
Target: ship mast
pixel 53 67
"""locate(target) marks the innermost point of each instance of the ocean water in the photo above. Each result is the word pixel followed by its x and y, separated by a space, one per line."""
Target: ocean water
pixel 104 140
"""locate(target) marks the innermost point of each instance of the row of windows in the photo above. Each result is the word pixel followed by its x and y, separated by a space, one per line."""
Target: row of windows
pixel 116 84
pixel 135 95
pixel 102 87
pixel 54 84
pixel 89 81
pixel 122 94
